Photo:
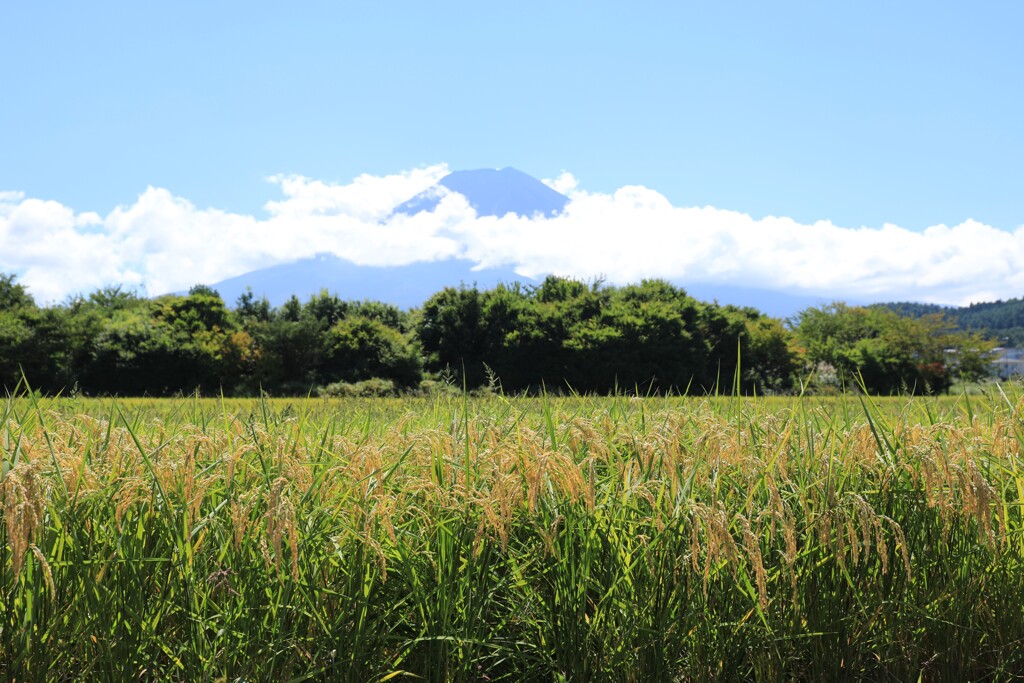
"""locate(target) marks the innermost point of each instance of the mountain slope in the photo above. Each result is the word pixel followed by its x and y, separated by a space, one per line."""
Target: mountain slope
pixel 410 285
pixel 492 193
pixel 404 286
pixel 776 304
pixel 999 320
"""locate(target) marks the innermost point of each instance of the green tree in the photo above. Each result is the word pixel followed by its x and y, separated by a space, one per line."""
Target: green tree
pixel 451 330
pixel 327 308
pixel 169 345
pixel 388 314
pixel 770 360
pixel 889 354
pixel 644 338
pixel 17 333
pixel 14 296
pixel 970 356
pixel 16 338
pixel 134 355
pixel 291 349
pixel 362 348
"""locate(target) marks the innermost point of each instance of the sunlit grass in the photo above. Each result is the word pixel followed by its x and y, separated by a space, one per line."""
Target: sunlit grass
pixel 512 539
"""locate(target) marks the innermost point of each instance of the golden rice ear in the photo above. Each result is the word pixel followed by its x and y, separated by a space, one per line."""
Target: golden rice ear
pixel 281 525
pixel 22 497
pixel 769 501
pixel 752 546
pixel 47 572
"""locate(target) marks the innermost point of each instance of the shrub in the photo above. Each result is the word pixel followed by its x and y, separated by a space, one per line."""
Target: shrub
pixel 368 388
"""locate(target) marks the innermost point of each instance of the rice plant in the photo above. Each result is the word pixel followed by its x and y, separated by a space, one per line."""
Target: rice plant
pixel 547 539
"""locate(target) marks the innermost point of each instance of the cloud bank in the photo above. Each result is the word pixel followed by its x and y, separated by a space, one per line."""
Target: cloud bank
pixel 162 243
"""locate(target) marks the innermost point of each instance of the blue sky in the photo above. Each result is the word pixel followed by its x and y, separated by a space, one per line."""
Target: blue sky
pixel 859 114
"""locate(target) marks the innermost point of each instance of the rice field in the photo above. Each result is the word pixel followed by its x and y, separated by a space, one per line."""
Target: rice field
pixel 521 539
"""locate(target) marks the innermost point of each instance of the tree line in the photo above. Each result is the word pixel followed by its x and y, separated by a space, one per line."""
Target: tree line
pixel 560 336
pixel 1002 321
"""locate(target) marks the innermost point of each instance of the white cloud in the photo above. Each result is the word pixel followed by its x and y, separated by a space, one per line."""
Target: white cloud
pixel 164 243
pixel 565 183
pixel 367 198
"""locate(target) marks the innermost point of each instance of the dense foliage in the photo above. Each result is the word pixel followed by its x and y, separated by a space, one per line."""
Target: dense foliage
pixel 649 337
pixel 114 342
pixel 562 336
pixel 886 353
pixel 1001 321
pixel 456 539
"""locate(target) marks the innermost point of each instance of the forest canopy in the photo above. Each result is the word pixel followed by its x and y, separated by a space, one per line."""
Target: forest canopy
pixel 562 335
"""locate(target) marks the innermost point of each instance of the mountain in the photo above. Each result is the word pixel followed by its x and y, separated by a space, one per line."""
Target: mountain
pixel 774 303
pixel 404 286
pixel 1002 321
pixel 491 193
pixel 410 285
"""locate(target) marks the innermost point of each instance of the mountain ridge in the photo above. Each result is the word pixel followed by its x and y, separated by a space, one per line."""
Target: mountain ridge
pixel 1001 319
pixel 491 192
